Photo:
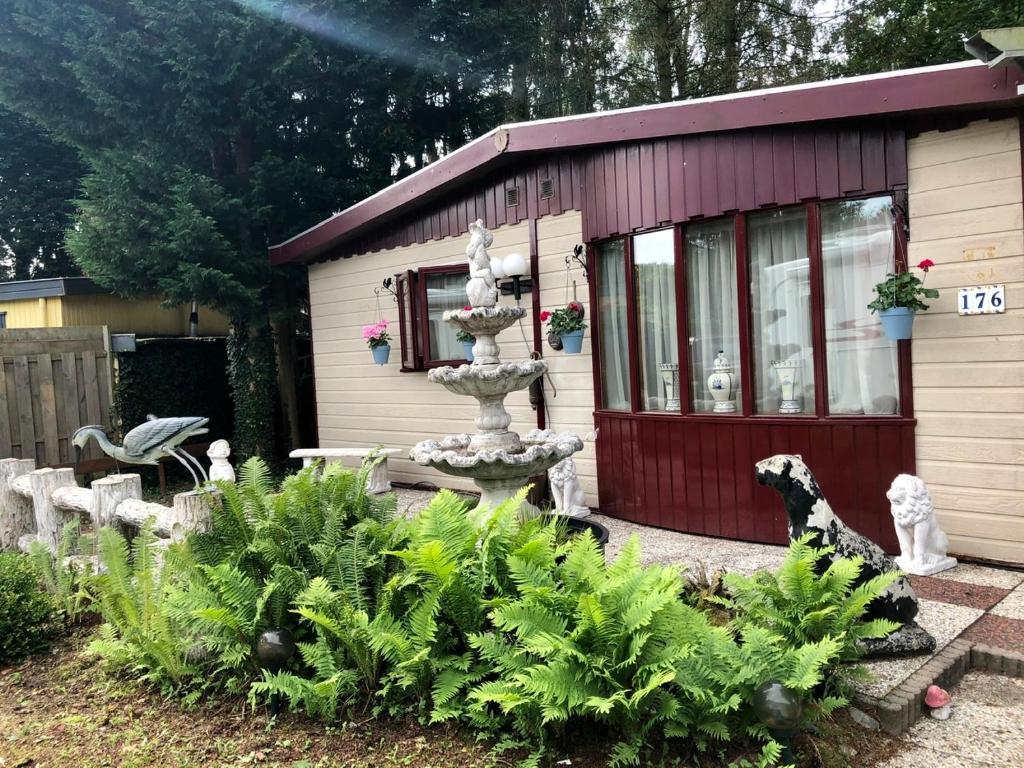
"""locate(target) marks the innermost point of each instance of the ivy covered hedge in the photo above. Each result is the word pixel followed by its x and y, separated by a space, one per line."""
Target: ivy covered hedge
pixel 175 377
pixel 483 620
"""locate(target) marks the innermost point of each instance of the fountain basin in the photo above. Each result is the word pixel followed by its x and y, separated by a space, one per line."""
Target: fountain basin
pixel 499 473
pixel 484 320
pixel 488 381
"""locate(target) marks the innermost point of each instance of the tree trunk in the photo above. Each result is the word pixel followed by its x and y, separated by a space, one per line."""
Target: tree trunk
pixel 283 326
pixel 253 388
pixel 110 491
pixel 50 519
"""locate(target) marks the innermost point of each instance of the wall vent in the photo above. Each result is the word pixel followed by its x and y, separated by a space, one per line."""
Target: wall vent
pixel 547 189
pixel 512 197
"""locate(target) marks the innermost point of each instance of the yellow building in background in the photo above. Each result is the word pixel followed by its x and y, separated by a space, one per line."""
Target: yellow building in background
pixel 67 302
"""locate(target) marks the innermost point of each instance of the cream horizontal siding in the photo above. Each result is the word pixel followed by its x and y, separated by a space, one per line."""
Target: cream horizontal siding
pixel 360 404
pixel 966 215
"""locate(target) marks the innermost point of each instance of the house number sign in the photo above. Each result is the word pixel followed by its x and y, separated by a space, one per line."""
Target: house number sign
pixel 981 300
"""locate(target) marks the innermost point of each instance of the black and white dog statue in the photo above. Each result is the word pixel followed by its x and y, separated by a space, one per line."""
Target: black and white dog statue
pixel 809 512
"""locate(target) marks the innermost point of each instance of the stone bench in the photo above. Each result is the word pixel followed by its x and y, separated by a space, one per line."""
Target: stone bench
pixel 378 480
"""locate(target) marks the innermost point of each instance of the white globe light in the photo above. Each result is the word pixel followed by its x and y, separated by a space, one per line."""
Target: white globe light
pixel 515 265
pixel 497 268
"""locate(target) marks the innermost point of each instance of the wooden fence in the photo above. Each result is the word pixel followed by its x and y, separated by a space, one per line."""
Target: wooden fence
pixel 53 381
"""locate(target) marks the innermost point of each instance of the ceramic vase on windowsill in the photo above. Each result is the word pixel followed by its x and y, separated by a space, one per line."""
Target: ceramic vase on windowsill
pixel 788 372
pixel 722 385
pixel 670 378
pixel 467 350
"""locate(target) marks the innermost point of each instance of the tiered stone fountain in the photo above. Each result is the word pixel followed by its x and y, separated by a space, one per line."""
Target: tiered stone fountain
pixel 498 460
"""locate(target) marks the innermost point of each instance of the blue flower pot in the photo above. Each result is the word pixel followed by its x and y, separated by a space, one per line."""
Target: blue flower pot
pixel 897 322
pixel 572 342
pixel 381 353
pixel 467 350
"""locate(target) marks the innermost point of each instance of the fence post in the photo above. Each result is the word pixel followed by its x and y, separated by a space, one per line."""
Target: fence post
pixel 49 518
pixel 16 516
pixel 110 491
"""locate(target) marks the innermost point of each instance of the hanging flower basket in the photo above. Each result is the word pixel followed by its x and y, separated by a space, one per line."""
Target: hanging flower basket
pixel 899 297
pixel 897 322
pixel 567 324
pixel 377 338
pixel 467 340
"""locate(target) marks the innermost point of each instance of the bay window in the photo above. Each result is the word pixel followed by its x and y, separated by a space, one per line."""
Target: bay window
pixel 654 267
pixel 780 294
pixel 713 305
pixel 857 246
pixel 613 325
pixel 780 311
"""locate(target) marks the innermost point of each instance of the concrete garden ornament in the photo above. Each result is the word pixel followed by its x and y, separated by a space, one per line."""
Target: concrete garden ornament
pixel 809 512
pixel 566 489
pixel 922 543
pixel 498 460
pixel 482 288
pixel 220 467
pixel 151 441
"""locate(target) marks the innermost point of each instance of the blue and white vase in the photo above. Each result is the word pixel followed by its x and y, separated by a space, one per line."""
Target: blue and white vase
pixel 572 342
pixel 722 385
pixel 381 353
pixel 897 322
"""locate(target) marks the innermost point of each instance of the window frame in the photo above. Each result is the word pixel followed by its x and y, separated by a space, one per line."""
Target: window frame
pixel 414 331
pixel 3 320
pixel 745 403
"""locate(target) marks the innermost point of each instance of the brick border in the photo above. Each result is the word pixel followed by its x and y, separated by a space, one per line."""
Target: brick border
pixel 904 704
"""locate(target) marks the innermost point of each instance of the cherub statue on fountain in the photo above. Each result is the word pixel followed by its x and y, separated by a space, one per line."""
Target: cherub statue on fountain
pixel 482 289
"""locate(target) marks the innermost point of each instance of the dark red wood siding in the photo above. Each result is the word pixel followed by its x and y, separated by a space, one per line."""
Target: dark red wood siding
pixel 642 185
pixel 451 215
pixel 654 183
pixel 697 475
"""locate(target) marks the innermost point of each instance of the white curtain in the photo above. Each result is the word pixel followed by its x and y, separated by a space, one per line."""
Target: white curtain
pixel 712 305
pixel 654 265
pixel 444 292
pixel 858 241
pixel 780 304
pixel 612 321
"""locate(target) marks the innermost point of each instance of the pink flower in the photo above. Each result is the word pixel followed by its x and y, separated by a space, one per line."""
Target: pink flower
pixel 467 308
pixel 926 264
pixel 576 307
pixel 544 316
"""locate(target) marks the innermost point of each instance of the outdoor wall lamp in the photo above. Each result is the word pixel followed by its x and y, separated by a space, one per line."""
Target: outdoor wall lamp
pixel 516 269
pixel 780 708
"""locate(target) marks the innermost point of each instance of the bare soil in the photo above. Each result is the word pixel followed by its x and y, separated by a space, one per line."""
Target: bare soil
pixel 62 710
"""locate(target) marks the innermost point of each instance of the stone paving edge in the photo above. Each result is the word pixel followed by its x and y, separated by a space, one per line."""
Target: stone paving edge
pixel 904 705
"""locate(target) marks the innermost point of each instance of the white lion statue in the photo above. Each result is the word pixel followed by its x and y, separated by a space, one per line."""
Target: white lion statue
pixel 482 289
pixel 566 489
pixel 922 543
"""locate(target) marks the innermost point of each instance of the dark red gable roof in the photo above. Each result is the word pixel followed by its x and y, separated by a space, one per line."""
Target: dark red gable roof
pixel 946 87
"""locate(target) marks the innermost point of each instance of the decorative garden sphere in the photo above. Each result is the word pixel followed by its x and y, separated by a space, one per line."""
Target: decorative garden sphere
pixel 274 648
pixel 778 707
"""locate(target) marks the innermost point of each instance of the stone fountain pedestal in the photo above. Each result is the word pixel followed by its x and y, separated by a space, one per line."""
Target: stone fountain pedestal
pixel 498 460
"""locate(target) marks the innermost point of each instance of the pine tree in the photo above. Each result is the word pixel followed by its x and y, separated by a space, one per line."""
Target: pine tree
pixel 39 179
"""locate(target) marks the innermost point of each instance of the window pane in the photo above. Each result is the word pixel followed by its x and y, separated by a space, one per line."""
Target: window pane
pixel 444 291
pixel 780 304
pixel 611 315
pixel 654 265
pixel 857 249
pixel 713 309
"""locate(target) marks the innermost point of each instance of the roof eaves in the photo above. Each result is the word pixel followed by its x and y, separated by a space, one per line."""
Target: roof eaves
pixel 945 86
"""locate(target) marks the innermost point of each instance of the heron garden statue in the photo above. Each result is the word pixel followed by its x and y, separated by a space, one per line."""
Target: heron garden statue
pixel 150 441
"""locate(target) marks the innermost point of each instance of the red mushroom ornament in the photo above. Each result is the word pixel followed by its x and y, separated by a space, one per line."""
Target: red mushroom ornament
pixel 938 702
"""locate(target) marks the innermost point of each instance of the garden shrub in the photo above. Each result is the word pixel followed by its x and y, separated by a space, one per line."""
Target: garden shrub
pixel 483 620
pixel 801 607
pixel 28 617
pixel 140 633
pixel 67 575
